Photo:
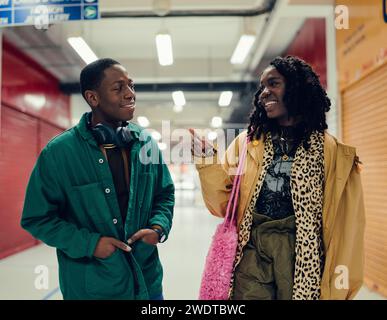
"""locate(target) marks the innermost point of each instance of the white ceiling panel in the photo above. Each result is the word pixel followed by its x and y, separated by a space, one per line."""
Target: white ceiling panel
pixel 202 48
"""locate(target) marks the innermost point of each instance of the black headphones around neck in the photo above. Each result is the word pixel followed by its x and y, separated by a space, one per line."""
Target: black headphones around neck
pixel 105 135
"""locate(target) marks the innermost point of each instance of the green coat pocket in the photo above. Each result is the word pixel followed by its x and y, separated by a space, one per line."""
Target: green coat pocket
pixel 142 252
pixel 109 278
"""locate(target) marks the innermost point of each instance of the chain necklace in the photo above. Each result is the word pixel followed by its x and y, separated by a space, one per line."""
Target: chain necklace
pixel 283 142
pixel 285 157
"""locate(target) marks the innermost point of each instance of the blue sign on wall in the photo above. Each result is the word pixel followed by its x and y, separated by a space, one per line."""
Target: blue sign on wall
pixel 40 12
pixel 7 4
pixel 5 18
pixel 385 10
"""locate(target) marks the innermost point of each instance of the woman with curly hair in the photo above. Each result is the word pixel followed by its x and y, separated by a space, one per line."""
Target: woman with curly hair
pixel 300 213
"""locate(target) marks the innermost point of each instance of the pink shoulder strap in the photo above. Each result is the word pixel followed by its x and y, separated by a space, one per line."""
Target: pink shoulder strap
pixel 230 215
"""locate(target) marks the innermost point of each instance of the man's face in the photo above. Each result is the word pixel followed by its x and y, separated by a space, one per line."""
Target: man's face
pixel 273 84
pixel 115 97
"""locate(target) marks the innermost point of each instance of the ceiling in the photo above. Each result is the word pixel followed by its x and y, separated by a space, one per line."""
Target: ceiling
pixel 204 34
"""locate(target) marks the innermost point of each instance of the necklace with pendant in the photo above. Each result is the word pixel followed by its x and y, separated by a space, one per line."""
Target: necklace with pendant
pixel 285 157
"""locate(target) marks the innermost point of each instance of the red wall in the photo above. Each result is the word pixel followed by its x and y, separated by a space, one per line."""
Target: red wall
pixel 33 110
pixel 22 78
pixel 310 45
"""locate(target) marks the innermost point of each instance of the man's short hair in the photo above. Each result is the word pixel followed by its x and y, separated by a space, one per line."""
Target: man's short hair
pixel 93 74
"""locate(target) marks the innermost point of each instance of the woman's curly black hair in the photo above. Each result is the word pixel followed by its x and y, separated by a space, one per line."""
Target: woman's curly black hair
pixel 304 98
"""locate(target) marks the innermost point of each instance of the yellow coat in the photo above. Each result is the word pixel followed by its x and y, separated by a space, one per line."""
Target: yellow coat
pixel 343 207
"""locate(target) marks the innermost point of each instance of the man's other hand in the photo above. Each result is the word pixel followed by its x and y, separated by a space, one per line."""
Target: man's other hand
pixel 106 247
pixel 149 236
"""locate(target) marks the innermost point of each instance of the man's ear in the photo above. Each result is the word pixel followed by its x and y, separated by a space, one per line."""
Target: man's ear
pixel 92 98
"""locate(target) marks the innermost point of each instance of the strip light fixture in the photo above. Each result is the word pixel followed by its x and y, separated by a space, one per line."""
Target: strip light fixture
pixel 178 98
pixel 216 122
pixel 242 49
pixel 83 49
pixel 225 98
pixel 164 49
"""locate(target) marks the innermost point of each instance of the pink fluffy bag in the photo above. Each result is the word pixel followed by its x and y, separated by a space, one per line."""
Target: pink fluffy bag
pixel 218 269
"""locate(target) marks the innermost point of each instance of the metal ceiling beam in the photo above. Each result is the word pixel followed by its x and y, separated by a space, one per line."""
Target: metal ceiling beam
pixel 266 35
pixel 73 88
pixel 265 8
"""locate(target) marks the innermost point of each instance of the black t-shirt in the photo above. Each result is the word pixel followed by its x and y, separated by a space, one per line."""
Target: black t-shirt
pixel 116 164
pixel 275 198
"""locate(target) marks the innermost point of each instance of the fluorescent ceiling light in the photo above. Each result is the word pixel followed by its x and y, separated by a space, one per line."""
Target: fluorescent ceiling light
pixel 177 109
pixel 242 49
pixel 216 122
pixel 156 135
pixel 212 135
pixel 162 145
pixel 143 121
pixel 83 49
pixel 164 49
pixel 225 98
pixel 178 98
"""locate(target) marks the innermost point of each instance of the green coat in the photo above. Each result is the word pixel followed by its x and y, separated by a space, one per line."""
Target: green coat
pixel 71 202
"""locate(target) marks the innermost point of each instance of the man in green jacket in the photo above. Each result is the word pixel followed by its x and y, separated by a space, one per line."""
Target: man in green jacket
pixel 94 196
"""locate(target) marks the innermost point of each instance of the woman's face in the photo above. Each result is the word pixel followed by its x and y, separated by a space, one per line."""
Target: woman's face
pixel 273 85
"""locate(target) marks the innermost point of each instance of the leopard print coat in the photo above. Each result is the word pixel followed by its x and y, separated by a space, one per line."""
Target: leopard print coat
pixel 307 185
